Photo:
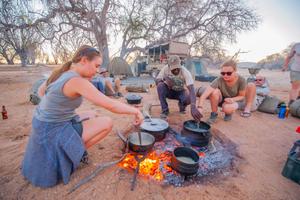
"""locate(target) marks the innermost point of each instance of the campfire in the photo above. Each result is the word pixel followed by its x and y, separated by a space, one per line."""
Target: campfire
pixel 153 166
pixel 156 165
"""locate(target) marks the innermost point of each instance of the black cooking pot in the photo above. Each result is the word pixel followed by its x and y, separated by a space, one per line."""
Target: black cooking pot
pixel 156 127
pixel 198 134
pixel 185 161
pixel 133 99
pixel 133 142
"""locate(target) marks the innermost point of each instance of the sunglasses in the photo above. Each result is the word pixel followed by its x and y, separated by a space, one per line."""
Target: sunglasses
pixel 103 72
pixel 259 79
pixel 226 73
pixel 88 50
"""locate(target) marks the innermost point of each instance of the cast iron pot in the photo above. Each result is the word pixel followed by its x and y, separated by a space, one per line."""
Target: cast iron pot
pixel 133 99
pixel 134 144
pixel 181 166
pixel 156 127
pixel 198 134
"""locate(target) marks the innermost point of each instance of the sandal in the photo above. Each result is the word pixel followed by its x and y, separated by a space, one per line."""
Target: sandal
pixel 245 114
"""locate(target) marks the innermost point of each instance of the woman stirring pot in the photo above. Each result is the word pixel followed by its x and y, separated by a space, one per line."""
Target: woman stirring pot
pixel 60 137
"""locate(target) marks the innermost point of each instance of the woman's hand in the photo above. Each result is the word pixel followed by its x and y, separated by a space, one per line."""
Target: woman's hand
pixel 229 100
pixel 138 118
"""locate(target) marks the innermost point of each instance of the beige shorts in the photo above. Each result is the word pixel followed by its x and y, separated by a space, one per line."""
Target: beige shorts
pixel 294 76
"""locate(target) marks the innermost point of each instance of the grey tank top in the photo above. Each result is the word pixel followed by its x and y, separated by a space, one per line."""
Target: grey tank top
pixel 55 106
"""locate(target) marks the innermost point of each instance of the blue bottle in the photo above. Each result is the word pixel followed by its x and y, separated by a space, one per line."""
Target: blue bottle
pixel 282 110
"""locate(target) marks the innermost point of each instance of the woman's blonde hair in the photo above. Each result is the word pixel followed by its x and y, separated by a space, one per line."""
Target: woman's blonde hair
pixel 230 63
pixel 82 51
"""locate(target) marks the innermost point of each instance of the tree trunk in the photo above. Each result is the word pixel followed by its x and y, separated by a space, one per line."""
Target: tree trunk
pixel 105 57
pixel 9 61
pixel 23 57
pixel 123 52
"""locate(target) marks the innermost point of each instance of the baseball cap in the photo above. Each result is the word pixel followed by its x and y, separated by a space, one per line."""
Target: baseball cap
pixel 174 62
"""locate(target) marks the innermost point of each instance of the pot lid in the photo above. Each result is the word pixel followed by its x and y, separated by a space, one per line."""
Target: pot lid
pixel 198 127
pixel 154 124
pixel 133 97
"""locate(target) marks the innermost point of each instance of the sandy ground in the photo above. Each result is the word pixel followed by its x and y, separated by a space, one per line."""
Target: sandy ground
pixel 263 143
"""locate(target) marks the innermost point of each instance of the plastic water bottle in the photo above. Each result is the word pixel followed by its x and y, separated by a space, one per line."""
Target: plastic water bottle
pixel 282 110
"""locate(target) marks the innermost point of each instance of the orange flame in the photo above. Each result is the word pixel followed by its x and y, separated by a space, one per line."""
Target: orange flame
pixel 150 166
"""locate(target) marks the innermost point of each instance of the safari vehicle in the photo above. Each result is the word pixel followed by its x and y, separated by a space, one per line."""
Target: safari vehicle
pixel 157 56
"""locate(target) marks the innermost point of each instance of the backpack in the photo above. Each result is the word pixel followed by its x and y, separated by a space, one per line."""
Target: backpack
pixel 269 105
pixel 33 96
pixel 295 108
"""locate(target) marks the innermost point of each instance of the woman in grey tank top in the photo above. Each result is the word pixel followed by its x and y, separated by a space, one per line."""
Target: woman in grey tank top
pixel 60 137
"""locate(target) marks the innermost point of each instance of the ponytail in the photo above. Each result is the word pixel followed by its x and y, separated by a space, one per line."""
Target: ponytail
pixel 58 72
pixel 84 50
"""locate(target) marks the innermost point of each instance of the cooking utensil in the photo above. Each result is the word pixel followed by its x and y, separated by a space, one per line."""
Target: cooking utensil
pixel 185 161
pixel 194 126
pixel 135 145
pixel 156 127
pixel 197 133
pixel 133 99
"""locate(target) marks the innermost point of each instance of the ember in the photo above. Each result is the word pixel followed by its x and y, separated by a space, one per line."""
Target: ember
pixel 156 166
pixel 152 166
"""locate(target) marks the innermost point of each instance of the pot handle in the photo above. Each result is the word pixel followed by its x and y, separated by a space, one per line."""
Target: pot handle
pixel 121 136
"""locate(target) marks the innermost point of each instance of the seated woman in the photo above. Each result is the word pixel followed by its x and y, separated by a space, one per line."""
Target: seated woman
pixel 108 85
pixel 59 136
pixel 231 92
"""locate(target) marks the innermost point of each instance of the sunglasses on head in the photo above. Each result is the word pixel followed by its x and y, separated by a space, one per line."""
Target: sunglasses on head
pixel 89 50
pixel 226 73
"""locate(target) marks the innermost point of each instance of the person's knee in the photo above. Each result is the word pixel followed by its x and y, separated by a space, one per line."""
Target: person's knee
pixel 161 85
pixel 117 80
pixel 295 86
pixel 215 94
pixel 251 86
pixel 228 108
pixel 162 88
pixel 107 123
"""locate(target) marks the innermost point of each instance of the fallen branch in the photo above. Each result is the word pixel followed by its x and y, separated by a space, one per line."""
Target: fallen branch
pixel 98 169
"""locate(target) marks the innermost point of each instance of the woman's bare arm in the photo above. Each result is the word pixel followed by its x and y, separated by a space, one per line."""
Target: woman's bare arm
pixel 42 89
pixel 84 88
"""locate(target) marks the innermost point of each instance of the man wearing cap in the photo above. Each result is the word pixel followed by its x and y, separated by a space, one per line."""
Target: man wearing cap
pixel 172 81
pixel 107 85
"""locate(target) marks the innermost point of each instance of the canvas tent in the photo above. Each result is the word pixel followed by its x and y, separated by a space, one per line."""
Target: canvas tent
pixel 119 66
pixel 198 68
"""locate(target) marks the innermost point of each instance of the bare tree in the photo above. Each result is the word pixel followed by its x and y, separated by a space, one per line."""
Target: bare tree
pixel 204 24
pixel 6 52
pixel 135 22
pixel 21 40
pixel 63 46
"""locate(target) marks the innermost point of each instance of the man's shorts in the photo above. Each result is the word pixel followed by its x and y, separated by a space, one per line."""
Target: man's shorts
pixel 295 76
pixel 255 104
